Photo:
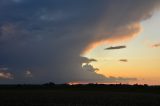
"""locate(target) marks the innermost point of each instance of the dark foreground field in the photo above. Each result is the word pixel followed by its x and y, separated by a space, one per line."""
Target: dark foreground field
pixel 90 95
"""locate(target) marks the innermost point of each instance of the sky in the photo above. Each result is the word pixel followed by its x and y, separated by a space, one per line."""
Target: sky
pixel 142 57
pixel 104 41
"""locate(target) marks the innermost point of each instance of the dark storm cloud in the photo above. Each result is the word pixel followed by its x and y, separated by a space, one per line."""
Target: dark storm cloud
pixel 123 60
pixel 48 36
pixel 115 47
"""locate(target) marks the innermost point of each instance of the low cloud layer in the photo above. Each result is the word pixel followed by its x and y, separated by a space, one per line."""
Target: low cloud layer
pixel 115 47
pixel 28 74
pixel 4 74
pixel 121 79
pixel 88 67
pixel 48 36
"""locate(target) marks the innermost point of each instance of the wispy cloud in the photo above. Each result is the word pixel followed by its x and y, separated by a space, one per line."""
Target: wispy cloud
pixel 115 47
pixel 123 60
pixel 88 60
pixel 155 45
pixel 152 44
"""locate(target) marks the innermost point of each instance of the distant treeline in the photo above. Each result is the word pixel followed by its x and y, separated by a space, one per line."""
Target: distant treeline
pixel 90 86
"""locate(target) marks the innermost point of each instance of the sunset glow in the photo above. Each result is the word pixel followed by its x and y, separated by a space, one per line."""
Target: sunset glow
pixel 143 58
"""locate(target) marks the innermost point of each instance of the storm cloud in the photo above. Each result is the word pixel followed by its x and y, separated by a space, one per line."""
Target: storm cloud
pixel 48 36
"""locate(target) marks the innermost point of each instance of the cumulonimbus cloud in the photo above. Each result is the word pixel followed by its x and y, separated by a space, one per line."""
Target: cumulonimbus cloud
pixel 48 36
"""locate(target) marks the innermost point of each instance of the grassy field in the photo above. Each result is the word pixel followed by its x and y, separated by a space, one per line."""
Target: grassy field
pixel 78 96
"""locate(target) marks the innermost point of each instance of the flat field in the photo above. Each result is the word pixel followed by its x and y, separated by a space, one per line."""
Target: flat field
pixel 78 97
